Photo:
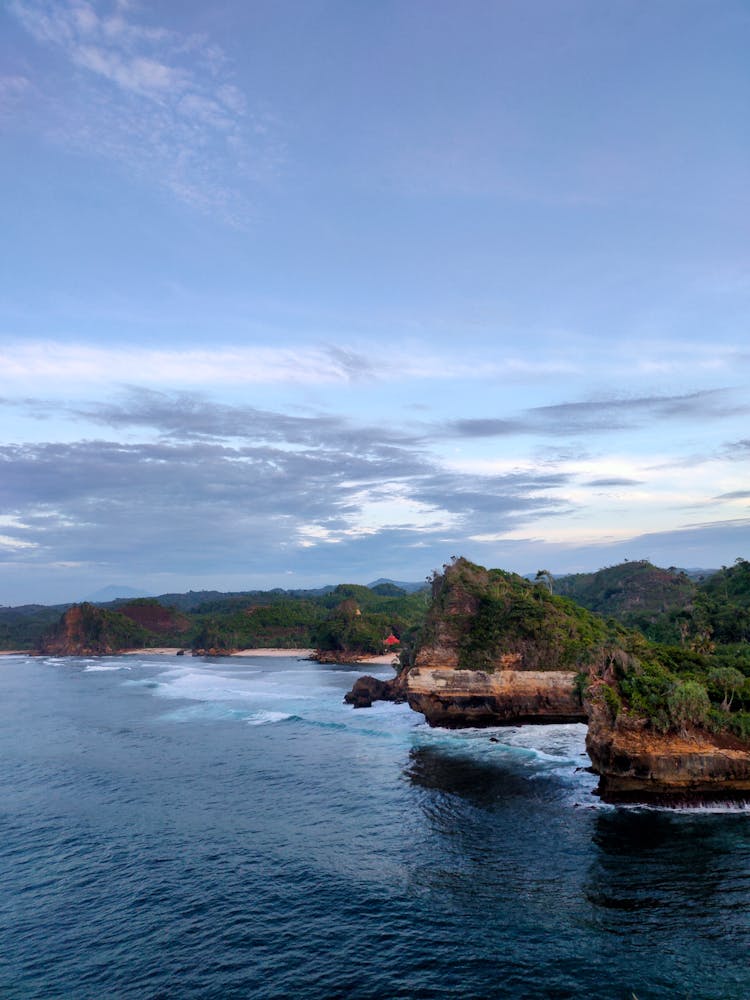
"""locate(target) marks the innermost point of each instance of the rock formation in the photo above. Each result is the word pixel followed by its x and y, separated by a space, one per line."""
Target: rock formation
pixel 636 763
pixel 499 650
pixel 458 698
pixel 368 689
pixel 86 630
pixel 496 650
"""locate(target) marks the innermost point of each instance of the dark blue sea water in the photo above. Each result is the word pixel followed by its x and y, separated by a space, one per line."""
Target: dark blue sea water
pixel 177 828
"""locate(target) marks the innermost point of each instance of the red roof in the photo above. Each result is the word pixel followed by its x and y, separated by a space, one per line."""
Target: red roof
pixel 392 640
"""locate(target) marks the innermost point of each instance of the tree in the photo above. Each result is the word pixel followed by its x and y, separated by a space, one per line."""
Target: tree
pixel 728 682
pixel 702 641
pixel 544 576
pixel 688 703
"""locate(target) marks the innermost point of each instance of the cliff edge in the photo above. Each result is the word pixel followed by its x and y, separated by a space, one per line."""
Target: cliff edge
pixel 86 630
pixel 665 723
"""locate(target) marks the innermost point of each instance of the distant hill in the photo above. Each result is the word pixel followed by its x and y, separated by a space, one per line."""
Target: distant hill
pixel 666 605
pixel 410 588
pixel 629 586
pixel 115 592
pixel 637 594
pixel 697 607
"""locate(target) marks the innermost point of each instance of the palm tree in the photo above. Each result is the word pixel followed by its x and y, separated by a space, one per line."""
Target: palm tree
pixel 544 576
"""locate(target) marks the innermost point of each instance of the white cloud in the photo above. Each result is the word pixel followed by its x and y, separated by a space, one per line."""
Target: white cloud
pixel 80 363
pixel 161 103
pixel 225 365
pixel 7 542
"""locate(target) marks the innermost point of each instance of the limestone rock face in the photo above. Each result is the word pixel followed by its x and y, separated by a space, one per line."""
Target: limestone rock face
pixel 458 698
pixel 635 764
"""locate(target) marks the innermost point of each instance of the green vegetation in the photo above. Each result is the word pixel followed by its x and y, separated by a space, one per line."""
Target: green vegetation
pixel 87 628
pixel 494 613
pixel 665 648
pixel 674 687
pixel 22 627
pixel 695 680
pixel 667 605
pixel 263 619
pixel 695 671
pixel 655 601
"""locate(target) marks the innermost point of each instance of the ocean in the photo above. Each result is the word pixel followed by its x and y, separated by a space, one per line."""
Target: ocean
pixel 183 828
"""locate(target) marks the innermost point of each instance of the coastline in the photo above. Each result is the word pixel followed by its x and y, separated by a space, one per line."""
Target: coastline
pixel 385 659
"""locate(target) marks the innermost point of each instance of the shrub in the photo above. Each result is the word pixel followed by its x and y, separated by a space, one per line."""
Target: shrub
pixel 613 701
pixel 688 704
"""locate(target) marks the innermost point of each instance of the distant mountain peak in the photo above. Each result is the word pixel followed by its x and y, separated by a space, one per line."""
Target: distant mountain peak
pixel 114 592
pixel 408 587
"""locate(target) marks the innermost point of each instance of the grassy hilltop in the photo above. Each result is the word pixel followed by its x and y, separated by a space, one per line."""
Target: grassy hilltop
pixel 488 620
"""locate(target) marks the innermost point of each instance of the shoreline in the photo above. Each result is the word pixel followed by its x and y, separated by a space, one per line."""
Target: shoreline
pixel 384 659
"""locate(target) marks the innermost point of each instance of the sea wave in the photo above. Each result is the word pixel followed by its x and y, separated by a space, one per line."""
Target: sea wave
pixel 103 668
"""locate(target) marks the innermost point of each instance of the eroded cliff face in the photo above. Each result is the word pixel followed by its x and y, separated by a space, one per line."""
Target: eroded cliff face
pixel 498 651
pixel 636 764
pixel 458 698
pixel 470 671
pixel 86 630
pixel 76 636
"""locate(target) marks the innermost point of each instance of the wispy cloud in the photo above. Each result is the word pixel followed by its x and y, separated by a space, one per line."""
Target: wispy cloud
pixel 252 488
pixel 135 504
pixel 161 103
pixel 734 495
pixel 601 415
pixel 85 363
pixel 186 366
pixel 613 482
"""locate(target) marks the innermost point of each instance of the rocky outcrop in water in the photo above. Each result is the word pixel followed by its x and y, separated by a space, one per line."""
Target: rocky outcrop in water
pixel 458 698
pixel 635 763
pixel 495 650
pixel 368 689
pixel 498 650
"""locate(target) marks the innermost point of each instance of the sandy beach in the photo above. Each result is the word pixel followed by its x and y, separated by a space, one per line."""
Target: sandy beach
pixel 174 650
pixel 386 659
pixel 303 654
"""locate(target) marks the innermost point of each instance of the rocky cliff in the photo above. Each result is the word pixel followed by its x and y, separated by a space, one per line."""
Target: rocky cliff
pixel 495 650
pixel 498 650
pixel 635 763
pixel 86 630
pixel 459 698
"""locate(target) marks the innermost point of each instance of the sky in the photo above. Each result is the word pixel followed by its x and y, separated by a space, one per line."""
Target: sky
pixel 296 292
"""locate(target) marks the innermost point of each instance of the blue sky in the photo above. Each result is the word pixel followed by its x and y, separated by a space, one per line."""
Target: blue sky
pixel 303 292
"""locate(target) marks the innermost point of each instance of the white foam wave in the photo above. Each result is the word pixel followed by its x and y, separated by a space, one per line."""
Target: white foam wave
pixel 704 808
pixel 100 668
pixel 558 745
pixel 262 718
pixel 207 711
pixel 238 684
